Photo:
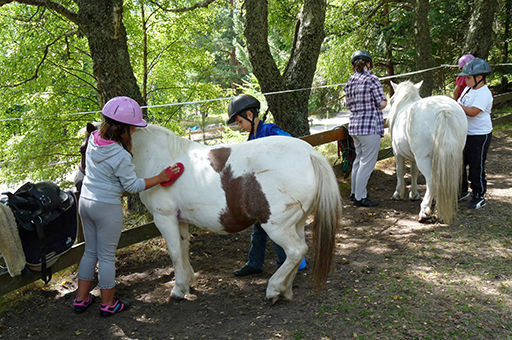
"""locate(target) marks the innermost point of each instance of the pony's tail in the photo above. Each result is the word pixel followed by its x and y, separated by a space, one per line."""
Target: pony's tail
pixel 449 139
pixel 327 215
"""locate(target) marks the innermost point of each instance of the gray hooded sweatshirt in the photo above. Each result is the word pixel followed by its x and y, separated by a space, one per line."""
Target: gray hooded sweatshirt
pixel 108 173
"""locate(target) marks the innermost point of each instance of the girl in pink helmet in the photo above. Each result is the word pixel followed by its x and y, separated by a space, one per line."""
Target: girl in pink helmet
pixel 460 83
pixel 109 172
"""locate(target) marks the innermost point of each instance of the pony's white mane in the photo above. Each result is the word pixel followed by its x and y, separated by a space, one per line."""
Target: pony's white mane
pixel 175 143
pixel 404 93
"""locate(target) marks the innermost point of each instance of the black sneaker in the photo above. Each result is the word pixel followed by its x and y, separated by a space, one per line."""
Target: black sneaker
pixel 353 197
pixel 365 202
pixel 118 307
pixel 463 195
pixel 246 270
pixel 477 202
pixel 79 306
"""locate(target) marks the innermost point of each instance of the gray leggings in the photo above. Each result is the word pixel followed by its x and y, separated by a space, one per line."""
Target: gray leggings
pixel 367 150
pixel 102 224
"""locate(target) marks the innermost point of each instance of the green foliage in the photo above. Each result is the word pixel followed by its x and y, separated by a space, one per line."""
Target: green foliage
pixel 193 57
pixel 40 140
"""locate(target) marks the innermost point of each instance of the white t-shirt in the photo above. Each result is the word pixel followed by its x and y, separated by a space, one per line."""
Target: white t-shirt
pixel 482 99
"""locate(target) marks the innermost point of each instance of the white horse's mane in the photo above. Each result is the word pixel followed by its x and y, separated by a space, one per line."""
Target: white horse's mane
pixel 176 144
pixel 404 93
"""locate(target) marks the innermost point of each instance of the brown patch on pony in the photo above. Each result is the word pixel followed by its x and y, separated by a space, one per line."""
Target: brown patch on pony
pixel 218 158
pixel 246 203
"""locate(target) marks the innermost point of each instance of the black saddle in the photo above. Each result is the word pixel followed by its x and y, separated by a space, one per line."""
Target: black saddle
pixel 38 204
pixel 46 224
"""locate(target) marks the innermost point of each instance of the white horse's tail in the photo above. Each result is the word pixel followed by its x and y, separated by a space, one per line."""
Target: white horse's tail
pixel 327 214
pixel 448 144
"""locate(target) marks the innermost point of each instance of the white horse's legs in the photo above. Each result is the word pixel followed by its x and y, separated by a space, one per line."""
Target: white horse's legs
pixel 280 284
pixel 176 237
pixel 399 193
pixel 414 195
pixel 425 166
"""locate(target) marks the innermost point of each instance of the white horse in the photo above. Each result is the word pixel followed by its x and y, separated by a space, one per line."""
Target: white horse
pixel 431 132
pixel 276 181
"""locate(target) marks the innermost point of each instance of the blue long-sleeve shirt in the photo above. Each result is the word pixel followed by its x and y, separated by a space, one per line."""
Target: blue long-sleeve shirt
pixel 268 129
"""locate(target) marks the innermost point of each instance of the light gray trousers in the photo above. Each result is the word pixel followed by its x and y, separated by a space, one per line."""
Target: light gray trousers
pixel 367 151
pixel 102 224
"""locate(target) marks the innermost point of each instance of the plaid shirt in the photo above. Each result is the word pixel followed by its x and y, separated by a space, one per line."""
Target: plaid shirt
pixel 364 93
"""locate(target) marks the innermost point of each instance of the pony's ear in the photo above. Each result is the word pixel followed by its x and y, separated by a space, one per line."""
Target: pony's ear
pixel 91 127
pixel 418 85
pixel 393 85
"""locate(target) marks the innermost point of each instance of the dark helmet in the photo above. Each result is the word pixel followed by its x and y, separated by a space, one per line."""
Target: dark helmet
pixel 360 55
pixel 476 67
pixel 240 104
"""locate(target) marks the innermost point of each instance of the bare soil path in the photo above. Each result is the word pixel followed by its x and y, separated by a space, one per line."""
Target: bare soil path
pixel 393 278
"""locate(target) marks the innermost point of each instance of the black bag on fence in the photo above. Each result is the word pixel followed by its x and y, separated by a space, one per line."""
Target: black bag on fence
pixel 47 223
pixel 346 151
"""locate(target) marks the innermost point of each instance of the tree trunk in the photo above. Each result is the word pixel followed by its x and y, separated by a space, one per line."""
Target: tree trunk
pixel 423 46
pixel 390 66
pixel 506 24
pixel 479 38
pixel 101 21
pixel 290 110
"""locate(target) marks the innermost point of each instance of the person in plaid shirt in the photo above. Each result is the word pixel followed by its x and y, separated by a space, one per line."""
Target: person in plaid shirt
pixel 365 99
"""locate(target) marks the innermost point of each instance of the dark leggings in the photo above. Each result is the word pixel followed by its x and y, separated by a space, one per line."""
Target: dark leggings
pixel 475 154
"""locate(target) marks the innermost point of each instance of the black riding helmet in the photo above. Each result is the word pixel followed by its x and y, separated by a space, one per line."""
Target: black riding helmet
pixel 476 67
pixel 240 104
pixel 361 55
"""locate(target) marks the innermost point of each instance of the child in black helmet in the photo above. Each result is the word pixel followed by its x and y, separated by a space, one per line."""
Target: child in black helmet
pixel 365 99
pixel 476 101
pixel 244 110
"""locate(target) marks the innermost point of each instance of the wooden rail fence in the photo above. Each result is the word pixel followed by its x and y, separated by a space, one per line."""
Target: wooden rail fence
pixel 148 231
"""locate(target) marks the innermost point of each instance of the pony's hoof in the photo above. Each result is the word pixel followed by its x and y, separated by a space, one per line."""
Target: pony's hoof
pixel 425 219
pixel 275 299
pixel 416 197
pixel 177 296
pixel 396 197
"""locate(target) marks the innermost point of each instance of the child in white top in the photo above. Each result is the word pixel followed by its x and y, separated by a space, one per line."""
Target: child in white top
pixel 476 101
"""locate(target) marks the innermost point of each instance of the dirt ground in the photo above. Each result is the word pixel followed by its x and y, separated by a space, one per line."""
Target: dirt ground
pixel 393 278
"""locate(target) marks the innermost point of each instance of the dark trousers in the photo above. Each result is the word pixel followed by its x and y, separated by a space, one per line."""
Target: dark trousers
pixel 259 246
pixel 475 154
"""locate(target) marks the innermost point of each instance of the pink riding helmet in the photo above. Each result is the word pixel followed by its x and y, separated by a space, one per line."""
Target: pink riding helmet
pixel 124 110
pixel 464 59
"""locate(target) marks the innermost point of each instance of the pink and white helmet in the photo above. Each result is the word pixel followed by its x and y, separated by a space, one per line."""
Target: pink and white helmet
pixel 124 110
pixel 464 59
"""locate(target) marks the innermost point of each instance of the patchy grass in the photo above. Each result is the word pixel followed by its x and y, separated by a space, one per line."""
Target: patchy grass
pixel 452 284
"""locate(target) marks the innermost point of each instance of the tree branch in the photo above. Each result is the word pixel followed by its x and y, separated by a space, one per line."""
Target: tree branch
pixel 36 74
pixel 294 45
pixel 54 6
pixel 203 4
